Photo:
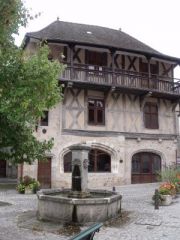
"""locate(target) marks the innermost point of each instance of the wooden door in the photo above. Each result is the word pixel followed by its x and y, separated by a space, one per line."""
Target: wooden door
pixel 44 173
pixel 145 166
pixel 2 168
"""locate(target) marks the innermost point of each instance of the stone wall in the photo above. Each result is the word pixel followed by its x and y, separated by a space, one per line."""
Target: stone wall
pixel 121 151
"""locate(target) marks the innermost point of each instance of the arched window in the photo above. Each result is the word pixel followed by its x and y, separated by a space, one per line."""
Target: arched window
pixel 150 113
pixel 67 162
pixel 99 161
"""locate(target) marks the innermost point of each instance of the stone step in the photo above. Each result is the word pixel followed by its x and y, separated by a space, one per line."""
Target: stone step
pixel 8 183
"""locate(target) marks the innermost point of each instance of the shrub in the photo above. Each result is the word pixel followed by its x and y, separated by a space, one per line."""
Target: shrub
pixel 28 182
pixel 21 188
pixel 169 173
pixel 167 189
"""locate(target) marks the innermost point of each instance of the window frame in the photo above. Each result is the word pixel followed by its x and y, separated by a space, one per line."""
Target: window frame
pixel 94 154
pixel 67 162
pixel 96 109
pixel 150 118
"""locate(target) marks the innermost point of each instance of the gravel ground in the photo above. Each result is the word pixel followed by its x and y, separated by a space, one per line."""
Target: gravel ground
pixel 139 219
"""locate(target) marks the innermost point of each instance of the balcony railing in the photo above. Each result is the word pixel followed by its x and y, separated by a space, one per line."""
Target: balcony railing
pixel 120 78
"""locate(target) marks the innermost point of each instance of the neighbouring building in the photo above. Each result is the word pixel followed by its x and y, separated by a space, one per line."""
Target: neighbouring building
pixel 120 98
pixel 7 169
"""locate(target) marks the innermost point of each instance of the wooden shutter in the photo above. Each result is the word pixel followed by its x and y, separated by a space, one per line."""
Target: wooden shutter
pixel 151 115
pixel 44 173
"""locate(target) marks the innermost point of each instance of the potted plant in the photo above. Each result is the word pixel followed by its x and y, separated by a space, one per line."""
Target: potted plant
pixel 35 185
pixel 167 191
pixel 21 188
pixel 28 185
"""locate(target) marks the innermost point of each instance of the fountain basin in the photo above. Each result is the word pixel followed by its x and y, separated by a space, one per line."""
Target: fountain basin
pixel 55 205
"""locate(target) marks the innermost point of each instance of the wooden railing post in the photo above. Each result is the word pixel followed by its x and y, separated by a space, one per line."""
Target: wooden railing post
pixel 149 71
pixel 71 47
pixel 113 53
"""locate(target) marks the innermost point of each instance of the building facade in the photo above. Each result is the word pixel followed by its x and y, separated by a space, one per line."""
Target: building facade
pixel 120 98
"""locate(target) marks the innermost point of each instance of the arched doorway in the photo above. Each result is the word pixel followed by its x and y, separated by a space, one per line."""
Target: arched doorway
pixel 145 166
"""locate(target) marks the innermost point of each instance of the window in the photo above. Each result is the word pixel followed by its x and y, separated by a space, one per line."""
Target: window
pixel 99 161
pixel 96 58
pixel 95 62
pixel 68 162
pixel 65 54
pixel 44 119
pixel 154 71
pixel 151 116
pixel 96 111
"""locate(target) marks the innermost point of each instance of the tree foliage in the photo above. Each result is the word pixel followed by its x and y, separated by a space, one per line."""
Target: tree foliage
pixel 28 86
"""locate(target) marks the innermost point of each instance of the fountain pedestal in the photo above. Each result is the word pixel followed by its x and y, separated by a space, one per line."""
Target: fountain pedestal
pixel 79 186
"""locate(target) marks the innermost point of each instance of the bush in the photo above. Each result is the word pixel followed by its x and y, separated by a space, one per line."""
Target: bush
pixel 21 188
pixel 28 182
pixel 169 173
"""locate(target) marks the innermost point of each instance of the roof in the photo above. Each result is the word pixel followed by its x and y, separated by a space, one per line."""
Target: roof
pixel 76 33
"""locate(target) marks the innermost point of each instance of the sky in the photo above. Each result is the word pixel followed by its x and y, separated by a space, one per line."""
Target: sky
pixel 154 22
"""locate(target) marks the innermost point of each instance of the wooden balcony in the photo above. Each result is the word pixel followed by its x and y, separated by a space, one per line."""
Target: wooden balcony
pixel 121 80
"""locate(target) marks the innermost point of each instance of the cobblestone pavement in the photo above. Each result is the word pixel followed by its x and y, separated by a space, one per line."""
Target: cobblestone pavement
pixel 139 221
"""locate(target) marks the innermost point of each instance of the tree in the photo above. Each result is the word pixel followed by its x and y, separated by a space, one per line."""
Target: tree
pixel 28 86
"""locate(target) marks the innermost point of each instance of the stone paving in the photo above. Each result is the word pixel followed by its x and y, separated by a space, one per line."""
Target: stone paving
pixel 139 219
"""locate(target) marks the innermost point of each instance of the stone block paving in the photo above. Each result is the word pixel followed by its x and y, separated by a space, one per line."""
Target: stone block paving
pixel 140 221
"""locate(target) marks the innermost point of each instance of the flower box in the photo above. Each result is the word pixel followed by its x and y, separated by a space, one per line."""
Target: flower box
pixel 166 200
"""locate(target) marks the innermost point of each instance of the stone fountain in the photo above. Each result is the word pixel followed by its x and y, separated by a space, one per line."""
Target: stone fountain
pixel 78 204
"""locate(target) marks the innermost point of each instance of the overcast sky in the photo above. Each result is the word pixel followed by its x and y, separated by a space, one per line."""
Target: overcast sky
pixel 154 22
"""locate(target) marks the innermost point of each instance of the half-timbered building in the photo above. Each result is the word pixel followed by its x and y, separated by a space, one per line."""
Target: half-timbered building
pixel 120 98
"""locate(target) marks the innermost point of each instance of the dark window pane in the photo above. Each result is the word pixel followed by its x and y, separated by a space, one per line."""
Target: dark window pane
pixel 96 58
pixel 96 111
pixel 136 165
pixel 147 119
pixel 154 122
pixel 100 117
pixel 65 54
pixel 44 119
pixel 151 116
pixel 99 161
pixel 91 166
pixel 68 162
pixel 103 163
pixel 156 164
pixel 145 164
pixel 91 116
